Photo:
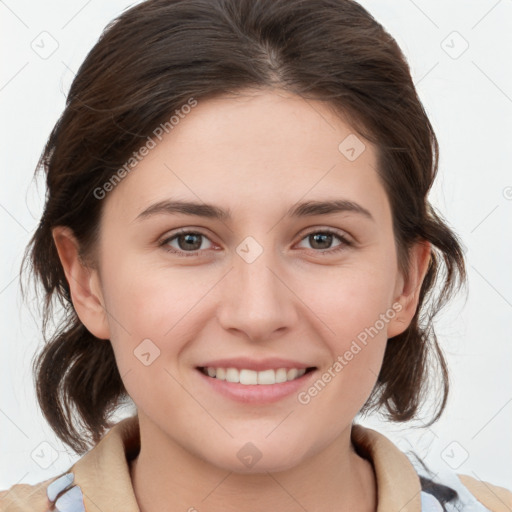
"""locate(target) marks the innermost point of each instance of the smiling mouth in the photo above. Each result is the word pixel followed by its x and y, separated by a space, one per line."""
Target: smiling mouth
pixel 252 377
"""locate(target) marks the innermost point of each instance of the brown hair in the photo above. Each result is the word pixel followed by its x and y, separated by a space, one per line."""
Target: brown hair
pixel 148 63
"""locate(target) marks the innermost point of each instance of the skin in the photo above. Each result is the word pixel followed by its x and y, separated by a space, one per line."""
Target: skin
pixel 257 154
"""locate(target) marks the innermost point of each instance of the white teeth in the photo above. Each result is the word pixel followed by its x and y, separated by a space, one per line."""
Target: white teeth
pixel 282 375
pixel 248 377
pixel 264 377
pixel 293 374
pixel 232 375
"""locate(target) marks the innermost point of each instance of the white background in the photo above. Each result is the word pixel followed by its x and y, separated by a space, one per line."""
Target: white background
pixel 469 101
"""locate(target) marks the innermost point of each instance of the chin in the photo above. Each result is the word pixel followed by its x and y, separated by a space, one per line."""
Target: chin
pixel 251 460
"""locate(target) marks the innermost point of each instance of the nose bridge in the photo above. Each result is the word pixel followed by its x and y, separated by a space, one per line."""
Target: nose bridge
pixel 258 302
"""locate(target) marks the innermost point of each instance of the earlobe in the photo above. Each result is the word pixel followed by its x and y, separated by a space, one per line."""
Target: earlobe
pixel 84 283
pixel 408 297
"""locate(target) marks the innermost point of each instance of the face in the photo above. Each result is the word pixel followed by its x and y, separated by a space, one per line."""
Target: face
pixel 269 279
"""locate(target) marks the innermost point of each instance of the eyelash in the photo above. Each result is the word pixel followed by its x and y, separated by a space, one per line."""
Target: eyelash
pixel 185 254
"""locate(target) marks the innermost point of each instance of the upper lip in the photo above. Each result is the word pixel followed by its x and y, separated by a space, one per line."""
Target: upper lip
pixel 256 365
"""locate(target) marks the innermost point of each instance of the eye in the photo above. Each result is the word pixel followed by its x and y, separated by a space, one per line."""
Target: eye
pixel 185 242
pixel 191 242
pixel 321 239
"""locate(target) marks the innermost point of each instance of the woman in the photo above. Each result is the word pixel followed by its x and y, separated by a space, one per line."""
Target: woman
pixel 237 224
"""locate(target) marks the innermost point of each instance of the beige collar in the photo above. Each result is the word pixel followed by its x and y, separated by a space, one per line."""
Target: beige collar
pixel 398 484
pixel 103 473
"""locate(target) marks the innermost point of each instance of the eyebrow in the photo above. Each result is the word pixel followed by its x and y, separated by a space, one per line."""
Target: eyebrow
pixel 305 209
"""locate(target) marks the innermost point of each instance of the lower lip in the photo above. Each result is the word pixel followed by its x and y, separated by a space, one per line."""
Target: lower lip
pixel 257 393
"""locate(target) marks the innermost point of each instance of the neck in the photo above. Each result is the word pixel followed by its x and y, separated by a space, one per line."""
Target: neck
pixel 166 476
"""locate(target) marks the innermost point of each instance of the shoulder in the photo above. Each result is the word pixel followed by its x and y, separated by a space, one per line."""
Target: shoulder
pixel 20 497
pixel 493 497
pixel 462 493
pixel 438 488
pixel 55 492
pixel 101 475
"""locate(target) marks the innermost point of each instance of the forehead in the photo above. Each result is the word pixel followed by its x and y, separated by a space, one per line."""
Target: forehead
pixel 258 151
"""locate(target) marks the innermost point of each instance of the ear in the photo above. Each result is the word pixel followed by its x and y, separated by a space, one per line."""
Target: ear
pixel 407 292
pixel 84 284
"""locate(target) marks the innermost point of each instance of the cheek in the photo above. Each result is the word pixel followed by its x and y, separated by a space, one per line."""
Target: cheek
pixel 149 301
pixel 153 313
pixel 353 299
pixel 357 317
pixel 353 308
pixel 146 310
pixel 345 305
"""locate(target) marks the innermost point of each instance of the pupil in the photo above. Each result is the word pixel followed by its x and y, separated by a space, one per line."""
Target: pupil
pixel 324 237
pixel 189 244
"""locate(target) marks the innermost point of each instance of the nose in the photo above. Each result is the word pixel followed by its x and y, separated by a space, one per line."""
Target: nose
pixel 257 298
